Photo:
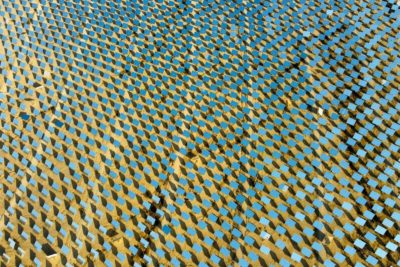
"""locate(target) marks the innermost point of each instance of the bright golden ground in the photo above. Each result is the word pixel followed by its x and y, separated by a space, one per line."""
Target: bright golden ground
pixel 199 133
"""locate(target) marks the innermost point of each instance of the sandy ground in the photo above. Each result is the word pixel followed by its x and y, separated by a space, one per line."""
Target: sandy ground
pixel 190 146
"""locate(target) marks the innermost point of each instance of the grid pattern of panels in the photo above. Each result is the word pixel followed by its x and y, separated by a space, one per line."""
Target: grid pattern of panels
pixel 199 133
